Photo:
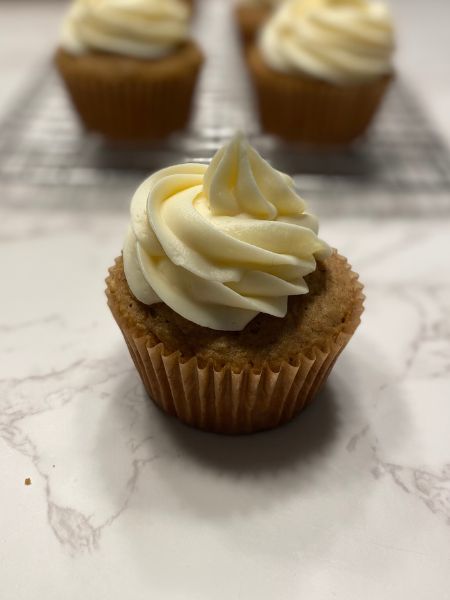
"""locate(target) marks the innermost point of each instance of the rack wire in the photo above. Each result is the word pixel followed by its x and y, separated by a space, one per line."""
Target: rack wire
pixel 398 167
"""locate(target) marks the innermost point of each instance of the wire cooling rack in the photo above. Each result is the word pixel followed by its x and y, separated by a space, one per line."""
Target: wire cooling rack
pixel 401 166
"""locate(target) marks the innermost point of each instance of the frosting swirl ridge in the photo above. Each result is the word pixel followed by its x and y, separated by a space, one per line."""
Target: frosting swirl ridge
pixel 137 28
pixel 221 244
pixel 338 41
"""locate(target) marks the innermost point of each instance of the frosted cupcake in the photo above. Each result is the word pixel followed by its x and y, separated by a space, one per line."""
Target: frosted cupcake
pixel 233 309
pixel 322 67
pixel 251 15
pixel 129 66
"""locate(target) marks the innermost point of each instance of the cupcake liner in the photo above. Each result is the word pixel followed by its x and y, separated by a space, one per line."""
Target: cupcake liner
pixel 223 400
pixel 297 107
pixel 125 98
pixel 249 20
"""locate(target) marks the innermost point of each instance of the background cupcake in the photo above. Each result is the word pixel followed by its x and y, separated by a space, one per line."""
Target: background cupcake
pixel 251 15
pixel 129 67
pixel 233 309
pixel 321 68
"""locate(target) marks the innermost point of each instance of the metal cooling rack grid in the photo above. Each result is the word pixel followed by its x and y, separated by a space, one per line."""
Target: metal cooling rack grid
pixel 42 144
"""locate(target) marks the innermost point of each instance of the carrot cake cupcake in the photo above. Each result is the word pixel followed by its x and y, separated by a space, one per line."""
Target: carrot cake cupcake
pixel 322 67
pixel 129 67
pixel 233 309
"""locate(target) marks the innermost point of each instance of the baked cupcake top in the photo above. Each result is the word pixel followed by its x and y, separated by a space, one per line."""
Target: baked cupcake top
pixel 338 41
pixel 221 243
pixel 136 28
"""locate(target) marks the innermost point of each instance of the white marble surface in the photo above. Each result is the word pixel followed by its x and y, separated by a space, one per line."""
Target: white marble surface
pixel 350 501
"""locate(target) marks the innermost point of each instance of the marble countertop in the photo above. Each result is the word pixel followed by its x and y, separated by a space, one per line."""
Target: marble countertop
pixel 350 501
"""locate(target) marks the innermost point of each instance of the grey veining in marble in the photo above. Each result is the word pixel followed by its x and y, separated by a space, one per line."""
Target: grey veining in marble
pixel 349 501
pixel 358 483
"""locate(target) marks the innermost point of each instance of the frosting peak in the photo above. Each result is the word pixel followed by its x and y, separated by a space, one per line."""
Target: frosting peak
pixel 339 41
pixel 239 181
pixel 220 244
pixel 137 28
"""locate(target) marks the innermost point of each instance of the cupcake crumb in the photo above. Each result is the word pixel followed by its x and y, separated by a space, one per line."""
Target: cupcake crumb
pixel 28 481
pixel 312 320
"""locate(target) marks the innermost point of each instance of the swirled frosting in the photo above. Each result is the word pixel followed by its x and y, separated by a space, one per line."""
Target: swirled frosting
pixel 338 41
pixel 137 28
pixel 221 244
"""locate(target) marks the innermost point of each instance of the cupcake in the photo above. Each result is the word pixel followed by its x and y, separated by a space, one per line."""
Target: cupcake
pixel 250 16
pixel 321 68
pixel 233 309
pixel 129 67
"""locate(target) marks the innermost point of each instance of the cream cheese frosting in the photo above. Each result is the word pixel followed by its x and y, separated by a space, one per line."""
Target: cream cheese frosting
pixel 338 41
pixel 221 243
pixel 136 28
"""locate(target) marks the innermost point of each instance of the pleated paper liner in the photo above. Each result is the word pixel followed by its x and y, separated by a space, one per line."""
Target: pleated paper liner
pixel 222 400
pixel 300 108
pixel 249 20
pixel 131 99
